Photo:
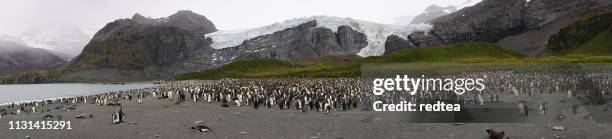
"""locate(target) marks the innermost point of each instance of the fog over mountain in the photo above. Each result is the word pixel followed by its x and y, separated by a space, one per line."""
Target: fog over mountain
pixel 66 42
pixel 16 56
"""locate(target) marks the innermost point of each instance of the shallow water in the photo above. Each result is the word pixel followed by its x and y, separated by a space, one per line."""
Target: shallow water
pixel 25 92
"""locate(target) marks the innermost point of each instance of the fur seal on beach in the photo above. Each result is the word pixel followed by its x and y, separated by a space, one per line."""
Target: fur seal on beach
pixel 495 134
pixel 113 104
pixel 68 109
pixel 162 97
pixel 84 115
pixel 47 117
pixel 199 126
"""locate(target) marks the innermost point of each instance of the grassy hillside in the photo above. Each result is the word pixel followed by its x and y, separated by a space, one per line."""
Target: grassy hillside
pixel 472 52
pixel 248 68
pixel 462 52
pixel 600 45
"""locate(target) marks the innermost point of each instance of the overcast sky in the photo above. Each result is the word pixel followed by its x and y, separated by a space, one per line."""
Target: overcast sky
pixel 19 15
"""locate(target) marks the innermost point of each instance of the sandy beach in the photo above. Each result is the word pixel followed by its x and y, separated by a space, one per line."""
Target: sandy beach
pixel 164 119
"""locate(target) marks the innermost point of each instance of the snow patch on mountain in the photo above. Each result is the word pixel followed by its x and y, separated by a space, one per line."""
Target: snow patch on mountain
pixel 375 32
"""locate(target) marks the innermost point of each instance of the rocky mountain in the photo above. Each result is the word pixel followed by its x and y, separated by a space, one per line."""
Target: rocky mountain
pixel 432 12
pixel 302 42
pixel 145 48
pixel 66 42
pixel 376 33
pixel 15 56
pixel 525 25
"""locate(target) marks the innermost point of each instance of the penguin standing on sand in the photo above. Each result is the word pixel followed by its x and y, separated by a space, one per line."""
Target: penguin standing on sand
pixel 118 116
pixel 194 96
pixel 140 97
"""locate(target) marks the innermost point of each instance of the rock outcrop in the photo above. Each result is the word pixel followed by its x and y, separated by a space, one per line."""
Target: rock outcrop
pixel 420 39
pixel 395 43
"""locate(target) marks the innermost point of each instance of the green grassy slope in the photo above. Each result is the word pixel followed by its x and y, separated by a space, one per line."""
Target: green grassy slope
pixel 600 45
pixel 246 68
pixel 591 27
pixel 462 52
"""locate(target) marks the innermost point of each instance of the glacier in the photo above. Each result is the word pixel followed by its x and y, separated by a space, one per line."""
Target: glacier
pixel 376 33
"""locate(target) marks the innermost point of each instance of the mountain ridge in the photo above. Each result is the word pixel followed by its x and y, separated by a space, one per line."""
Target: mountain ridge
pixel 495 20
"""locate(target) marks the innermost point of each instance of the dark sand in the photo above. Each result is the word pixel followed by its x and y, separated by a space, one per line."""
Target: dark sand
pixel 163 119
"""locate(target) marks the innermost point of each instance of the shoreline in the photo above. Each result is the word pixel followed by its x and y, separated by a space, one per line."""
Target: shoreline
pixel 73 96
pixel 163 119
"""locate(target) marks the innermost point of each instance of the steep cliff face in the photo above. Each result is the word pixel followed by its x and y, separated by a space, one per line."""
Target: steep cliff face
pixel 489 21
pixel 302 42
pixel 145 48
pixel 543 12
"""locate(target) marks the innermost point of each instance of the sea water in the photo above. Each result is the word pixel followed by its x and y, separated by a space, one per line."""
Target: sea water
pixel 29 92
